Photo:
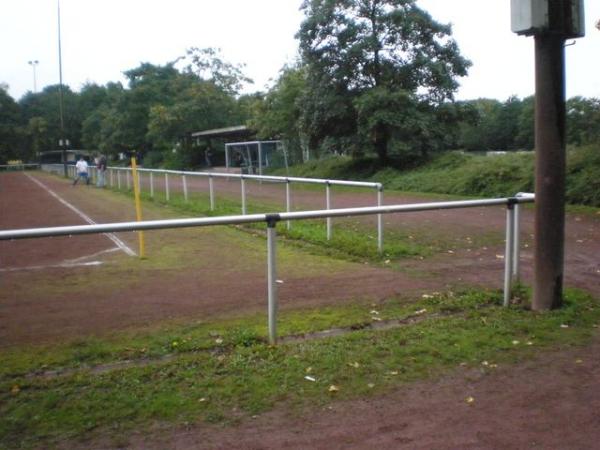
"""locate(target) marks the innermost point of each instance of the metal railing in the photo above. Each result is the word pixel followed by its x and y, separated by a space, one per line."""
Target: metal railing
pixel 511 256
pixel 115 180
pixel 16 167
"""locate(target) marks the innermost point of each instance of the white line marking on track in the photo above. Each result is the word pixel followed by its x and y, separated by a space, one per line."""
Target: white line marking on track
pixel 50 266
pixel 111 236
pixel 95 255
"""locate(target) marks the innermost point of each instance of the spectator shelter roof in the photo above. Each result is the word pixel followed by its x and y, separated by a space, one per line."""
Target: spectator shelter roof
pixel 237 132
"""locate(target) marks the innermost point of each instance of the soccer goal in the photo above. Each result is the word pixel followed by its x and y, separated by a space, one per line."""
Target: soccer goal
pixel 252 156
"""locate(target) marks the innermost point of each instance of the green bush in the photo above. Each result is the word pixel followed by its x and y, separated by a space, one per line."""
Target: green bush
pixel 458 173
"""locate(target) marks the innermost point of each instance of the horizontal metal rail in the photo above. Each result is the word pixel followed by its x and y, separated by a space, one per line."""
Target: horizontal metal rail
pixel 16 166
pixel 243 190
pixel 511 254
pixel 252 218
pixel 272 178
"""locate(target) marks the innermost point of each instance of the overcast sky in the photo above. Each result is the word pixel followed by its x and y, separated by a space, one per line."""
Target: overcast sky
pixel 103 38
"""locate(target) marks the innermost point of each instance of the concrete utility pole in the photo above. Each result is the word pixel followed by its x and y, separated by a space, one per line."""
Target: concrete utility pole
pixel 550 163
pixel 551 22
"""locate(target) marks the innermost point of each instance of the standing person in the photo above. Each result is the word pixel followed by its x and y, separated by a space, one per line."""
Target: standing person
pixel 82 171
pixel 208 157
pixel 101 167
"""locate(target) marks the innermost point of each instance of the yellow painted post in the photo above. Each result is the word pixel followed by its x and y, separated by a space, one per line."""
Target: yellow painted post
pixel 138 206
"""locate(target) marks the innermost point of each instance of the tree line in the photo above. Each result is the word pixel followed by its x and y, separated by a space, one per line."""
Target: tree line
pixel 373 78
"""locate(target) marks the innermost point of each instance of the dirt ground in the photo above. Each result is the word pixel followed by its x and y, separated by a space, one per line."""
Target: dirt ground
pixel 553 402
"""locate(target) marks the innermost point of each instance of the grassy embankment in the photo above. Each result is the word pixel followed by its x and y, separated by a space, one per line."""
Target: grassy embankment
pixel 469 175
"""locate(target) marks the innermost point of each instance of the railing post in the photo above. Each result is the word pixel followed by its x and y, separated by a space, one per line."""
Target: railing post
pixel 211 191
pixel 328 207
pixel 516 264
pixel 272 220
pixel 152 184
pixel 508 252
pixel 119 179
pixel 127 176
pixel 167 186
pixel 112 177
pixel 185 190
pixel 380 219
pixel 288 202
pixel 243 187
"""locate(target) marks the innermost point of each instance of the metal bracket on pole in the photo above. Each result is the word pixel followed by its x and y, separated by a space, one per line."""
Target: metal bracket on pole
pixel 272 220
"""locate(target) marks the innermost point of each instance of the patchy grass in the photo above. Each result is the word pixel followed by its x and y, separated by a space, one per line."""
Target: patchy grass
pixel 224 371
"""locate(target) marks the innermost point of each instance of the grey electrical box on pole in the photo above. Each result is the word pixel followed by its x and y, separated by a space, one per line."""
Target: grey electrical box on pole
pixel 551 22
pixel 560 17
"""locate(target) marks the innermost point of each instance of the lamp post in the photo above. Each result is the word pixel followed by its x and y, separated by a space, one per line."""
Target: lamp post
pixel 60 100
pixel 34 63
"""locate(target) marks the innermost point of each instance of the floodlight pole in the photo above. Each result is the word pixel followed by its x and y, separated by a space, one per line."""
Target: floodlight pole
pixel 63 141
pixel 550 165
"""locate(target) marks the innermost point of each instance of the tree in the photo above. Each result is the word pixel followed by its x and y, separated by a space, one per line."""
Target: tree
pixel 385 49
pixel 583 120
pixel 45 105
pixel 10 130
pixel 279 113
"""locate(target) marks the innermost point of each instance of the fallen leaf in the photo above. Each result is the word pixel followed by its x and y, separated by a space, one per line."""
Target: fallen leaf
pixel 15 389
pixel 578 361
pixel 354 364
pixel 219 341
pixel 564 325
pixel 470 400
pixel 333 388
pixel 308 369
pixel 374 312
pixel 516 342
pixel 309 378
pixel 500 256
pixel 371 385
pixel 279 281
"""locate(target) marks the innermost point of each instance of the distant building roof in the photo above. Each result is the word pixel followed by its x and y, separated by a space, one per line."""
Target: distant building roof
pixel 228 132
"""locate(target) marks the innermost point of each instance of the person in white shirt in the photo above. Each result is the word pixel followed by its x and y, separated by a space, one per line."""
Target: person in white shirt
pixel 82 171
